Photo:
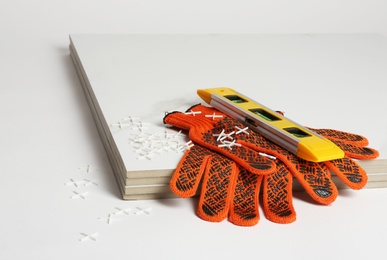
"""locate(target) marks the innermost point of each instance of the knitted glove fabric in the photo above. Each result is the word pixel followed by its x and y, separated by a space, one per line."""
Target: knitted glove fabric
pixel 314 177
pixel 354 147
pixel 227 190
pixel 206 129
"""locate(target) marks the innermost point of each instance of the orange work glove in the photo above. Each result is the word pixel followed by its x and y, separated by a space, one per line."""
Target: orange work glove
pixel 315 177
pixel 203 131
pixel 227 190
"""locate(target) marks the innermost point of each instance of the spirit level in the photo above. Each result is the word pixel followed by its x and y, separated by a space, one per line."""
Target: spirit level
pixel 284 132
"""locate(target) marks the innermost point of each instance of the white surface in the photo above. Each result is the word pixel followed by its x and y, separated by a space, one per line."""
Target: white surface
pixel 47 133
pixel 319 80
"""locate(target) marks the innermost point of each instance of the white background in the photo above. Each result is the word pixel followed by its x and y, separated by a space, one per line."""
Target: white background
pixel 48 137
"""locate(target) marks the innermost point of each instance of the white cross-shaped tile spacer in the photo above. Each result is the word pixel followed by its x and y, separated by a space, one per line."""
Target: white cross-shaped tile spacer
pixel 219 135
pixel 229 136
pixel 240 130
pixel 223 136
pixel 120 125
pixel 79 195
pixel 109 219
pixel 139 126
pixel 130 118
pixel 178 134
pixel 122 211
pixel 188 145
pixel 87 168
pixel 89 182
pixel 87 237
pixel 141 211
pixel 73 182
pixel 229 144
pixel 214 116
pixel 194 113
pixel 146 153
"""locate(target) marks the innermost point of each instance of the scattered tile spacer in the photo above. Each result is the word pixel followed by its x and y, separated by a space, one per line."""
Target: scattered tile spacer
pixel 194 113
pixel 79 195
pixel 87 168
pixel 143 211
pixel 109 219
pixel 229 136
pixel 214 116
pixel 131 119
pixel 122 211
pixel 121 125
pixel 73 182
pixel 240 130
pixel 223 136
pixel 87 237
pixel 219 135
pixel 268 155
pixel 229 144
pixel 88 182
pixel 188 145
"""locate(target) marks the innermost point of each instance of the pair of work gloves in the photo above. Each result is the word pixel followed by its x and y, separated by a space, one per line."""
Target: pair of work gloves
pixel 229 164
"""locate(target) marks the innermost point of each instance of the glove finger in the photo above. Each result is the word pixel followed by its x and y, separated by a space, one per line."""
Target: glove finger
pixel 217 188
pixel 316 180
pixel 345 137
pixel 356 152
pixel 277 195
pixel 244 207
pixel 349 172
pixel 186 178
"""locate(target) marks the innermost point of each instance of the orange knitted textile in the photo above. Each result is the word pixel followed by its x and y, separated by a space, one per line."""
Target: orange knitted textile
pixel 230 189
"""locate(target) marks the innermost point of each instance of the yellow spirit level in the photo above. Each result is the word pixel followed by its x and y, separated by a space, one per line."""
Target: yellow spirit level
pixel 295 138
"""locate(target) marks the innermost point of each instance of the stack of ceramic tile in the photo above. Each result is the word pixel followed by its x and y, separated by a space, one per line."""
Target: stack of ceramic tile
pixel 130 81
